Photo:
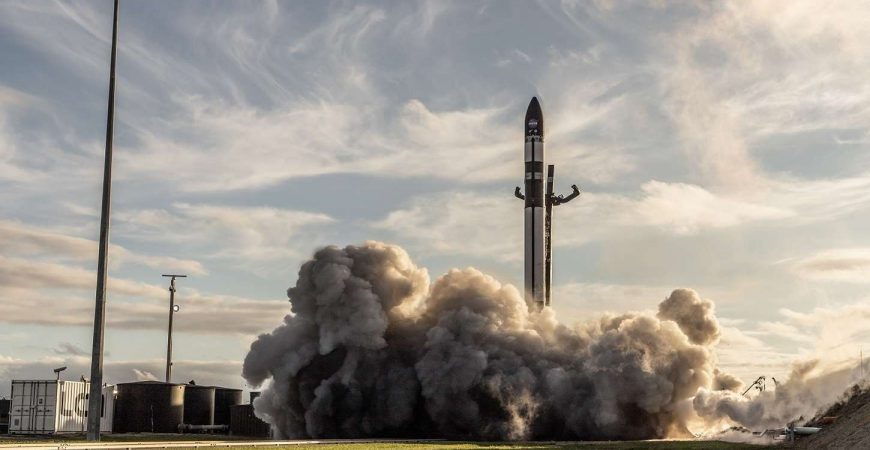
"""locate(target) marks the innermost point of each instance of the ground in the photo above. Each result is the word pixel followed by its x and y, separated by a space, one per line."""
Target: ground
pixel 640 445
pixel 850 427
pixel 374 445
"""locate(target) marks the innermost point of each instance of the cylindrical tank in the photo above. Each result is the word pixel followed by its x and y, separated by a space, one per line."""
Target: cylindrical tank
pixel 149 407
pixel 243 422
pixel 199 405
pixel 223 399
pixel 5 406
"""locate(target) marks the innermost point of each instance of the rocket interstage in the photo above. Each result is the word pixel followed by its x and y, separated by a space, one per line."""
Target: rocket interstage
pixel 538 209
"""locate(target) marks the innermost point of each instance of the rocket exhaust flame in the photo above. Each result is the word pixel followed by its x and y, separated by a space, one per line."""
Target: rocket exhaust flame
pixel 373 350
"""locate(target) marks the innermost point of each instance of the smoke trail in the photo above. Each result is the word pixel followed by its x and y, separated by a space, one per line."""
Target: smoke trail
pixel 373 350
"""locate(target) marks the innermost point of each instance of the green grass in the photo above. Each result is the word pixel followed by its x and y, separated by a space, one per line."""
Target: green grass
pixel 143 437
pixel 640 445
pixel 621 445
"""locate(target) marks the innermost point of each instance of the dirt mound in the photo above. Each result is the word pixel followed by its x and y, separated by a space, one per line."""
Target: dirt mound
pixel 845 425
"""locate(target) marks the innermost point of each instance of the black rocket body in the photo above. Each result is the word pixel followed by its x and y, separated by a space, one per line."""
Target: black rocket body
pixel 534 204
pixel 538 209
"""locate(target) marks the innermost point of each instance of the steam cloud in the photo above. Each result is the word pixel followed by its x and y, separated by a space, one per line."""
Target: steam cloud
pixel 797 399
pixel 373 350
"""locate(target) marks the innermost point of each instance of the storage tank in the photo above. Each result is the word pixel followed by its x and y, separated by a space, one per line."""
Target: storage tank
pixel 199 405
pixel 243 422
pixel 4 415
pixel 223 399
pixel 149 407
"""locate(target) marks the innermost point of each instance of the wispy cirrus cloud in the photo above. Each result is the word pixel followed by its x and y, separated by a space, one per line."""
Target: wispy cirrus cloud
pixel 256 238
pixel 21 239
pixel 851 265
pixel 209 314
pixel 490 224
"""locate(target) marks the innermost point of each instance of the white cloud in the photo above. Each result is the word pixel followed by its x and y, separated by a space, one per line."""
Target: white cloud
pixel 66 348
pixel 783 330
pixel 580 301
pixel 747 356
pixel 460 223
pixel 838 331
pixel 30 274
pixel 42 281
pixel 468 223
pixel 844 264
pixel 832 335
pixel 59 31
pixel 709 129
pixel 200 313
pixel 29 241
pixel 217 147
pixel 822 200
pixel 244 236
pixel 10 157
pixel 743 71
pixel 687 209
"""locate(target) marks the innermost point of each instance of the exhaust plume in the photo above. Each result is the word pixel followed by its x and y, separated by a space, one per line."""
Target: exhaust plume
pixel 372 349
pixel 797 399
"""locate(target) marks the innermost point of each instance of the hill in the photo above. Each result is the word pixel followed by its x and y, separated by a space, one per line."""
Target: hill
pixel 845 425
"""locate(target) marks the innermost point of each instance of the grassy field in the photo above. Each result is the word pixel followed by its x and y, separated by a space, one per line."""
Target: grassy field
pixel 622 445
pixel 640 445
pixel 131 437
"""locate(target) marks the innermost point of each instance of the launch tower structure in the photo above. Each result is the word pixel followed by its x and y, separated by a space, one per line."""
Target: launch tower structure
pixel 538 210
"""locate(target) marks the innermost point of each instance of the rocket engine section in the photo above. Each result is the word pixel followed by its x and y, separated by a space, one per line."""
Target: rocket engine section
pixel 538 210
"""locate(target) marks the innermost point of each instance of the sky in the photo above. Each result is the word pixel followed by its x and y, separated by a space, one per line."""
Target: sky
pixel 720 146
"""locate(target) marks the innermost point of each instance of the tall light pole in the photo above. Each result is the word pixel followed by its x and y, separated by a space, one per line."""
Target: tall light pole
pixel 172 309
pixel 95 399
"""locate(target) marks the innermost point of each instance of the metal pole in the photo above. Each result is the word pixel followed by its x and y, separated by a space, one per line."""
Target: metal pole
pixel 95 398
pixel 169 338
pixel 548 234
pixel 169 334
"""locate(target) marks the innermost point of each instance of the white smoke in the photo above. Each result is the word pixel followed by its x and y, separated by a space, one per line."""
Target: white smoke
pixel 373 350
pixel 804 393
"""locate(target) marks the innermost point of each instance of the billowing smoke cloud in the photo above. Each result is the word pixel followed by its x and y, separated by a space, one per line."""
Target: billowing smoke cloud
pixel 803 394
pixel 373 350
pixel 693 314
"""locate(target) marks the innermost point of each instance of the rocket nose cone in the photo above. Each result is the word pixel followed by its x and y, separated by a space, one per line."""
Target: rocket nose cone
pixel 534 119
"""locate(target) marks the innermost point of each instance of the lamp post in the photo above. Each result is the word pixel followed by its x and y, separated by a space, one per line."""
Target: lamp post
pixel 173 308
pixel 95 403
pixel 58 371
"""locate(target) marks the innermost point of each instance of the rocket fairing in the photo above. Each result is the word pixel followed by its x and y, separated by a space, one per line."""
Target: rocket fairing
pixel 538 209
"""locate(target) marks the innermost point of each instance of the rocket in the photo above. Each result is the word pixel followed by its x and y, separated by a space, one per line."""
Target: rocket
pixel 538 209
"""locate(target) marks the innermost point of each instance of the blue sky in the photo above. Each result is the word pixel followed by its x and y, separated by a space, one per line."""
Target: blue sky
pixel 720 146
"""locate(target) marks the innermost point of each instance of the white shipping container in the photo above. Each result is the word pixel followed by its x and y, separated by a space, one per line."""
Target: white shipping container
pixel 49 406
